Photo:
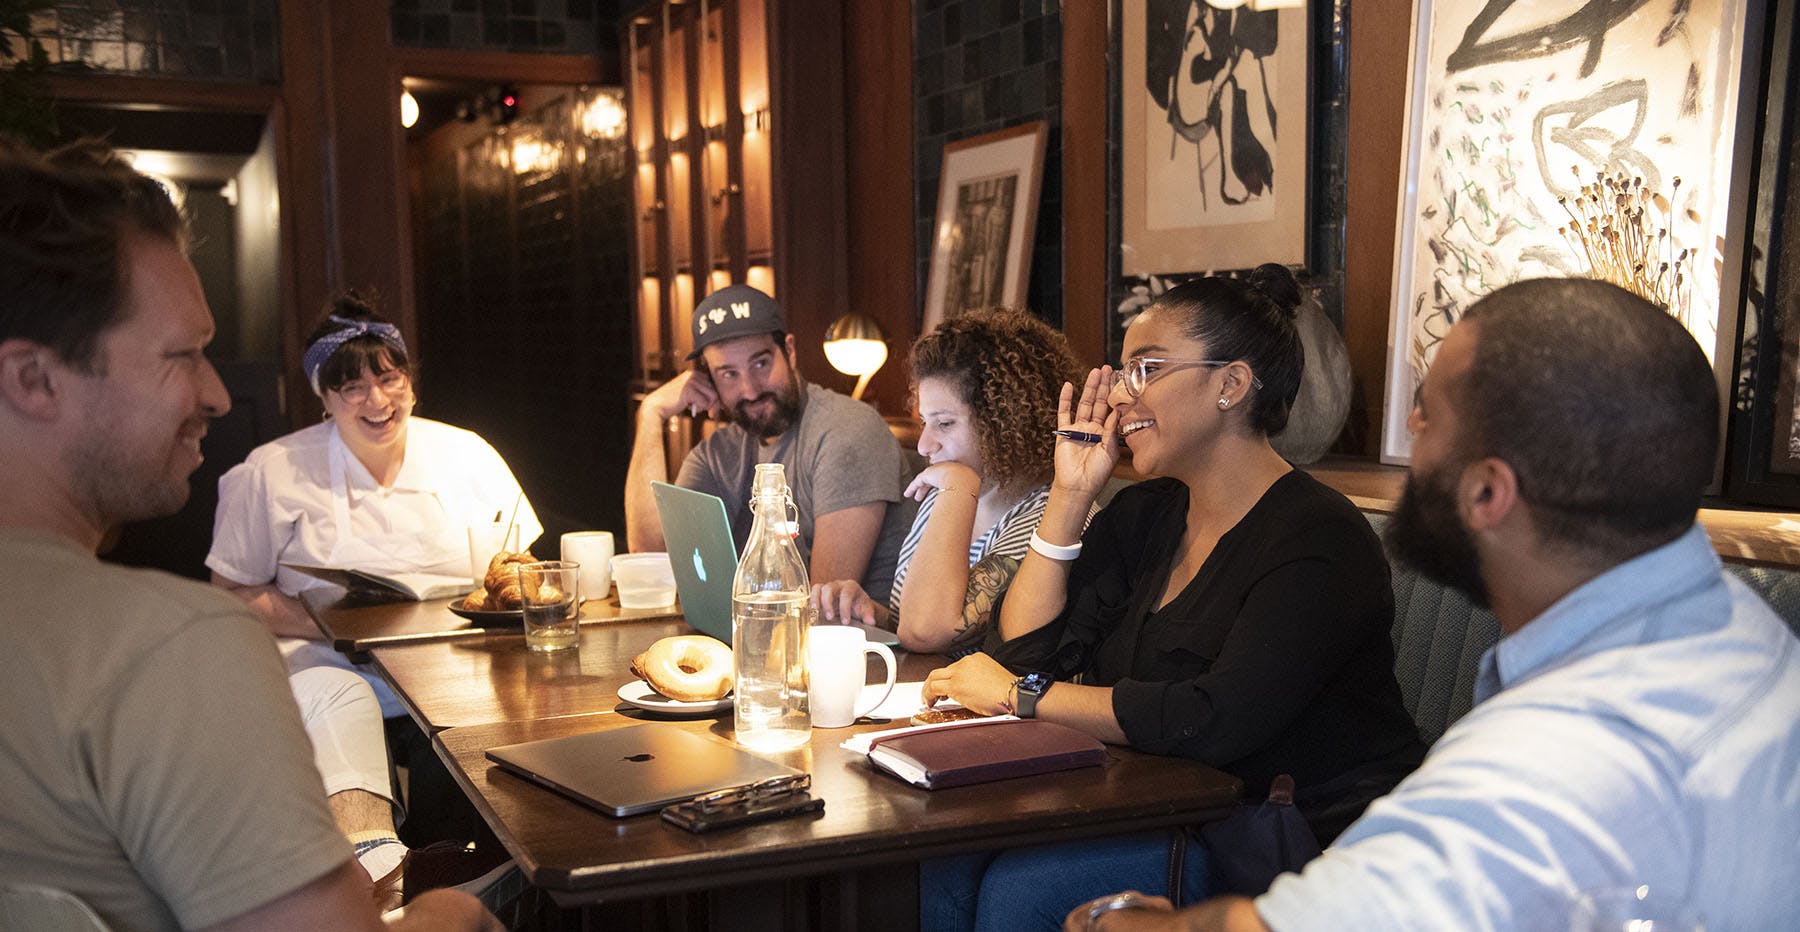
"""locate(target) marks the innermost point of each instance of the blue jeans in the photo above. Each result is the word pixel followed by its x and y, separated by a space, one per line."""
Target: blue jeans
pixel 1035 887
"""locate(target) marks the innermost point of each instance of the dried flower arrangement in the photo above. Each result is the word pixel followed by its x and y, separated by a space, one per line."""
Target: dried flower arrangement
pixel 1622 228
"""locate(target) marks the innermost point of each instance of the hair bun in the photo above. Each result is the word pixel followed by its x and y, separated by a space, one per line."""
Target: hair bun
pixel 1275 282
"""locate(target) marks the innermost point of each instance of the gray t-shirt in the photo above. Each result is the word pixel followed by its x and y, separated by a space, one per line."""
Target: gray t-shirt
pixel 839 455
pixel 152 756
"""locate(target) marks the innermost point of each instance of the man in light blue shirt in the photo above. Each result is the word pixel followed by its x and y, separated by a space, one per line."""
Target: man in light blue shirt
pixel 1639 722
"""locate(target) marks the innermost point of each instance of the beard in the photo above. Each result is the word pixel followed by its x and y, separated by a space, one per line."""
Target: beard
pixel 1428 535
pixel 122 485
pixel 781 416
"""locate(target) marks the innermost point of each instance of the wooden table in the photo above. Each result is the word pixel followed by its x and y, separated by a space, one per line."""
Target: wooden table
pixel 356 622
pixel 852 867
pixel 494 677
pixel 870 819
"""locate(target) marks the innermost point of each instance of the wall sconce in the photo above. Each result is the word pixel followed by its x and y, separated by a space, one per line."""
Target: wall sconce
pixel 854 346
pixel 409 109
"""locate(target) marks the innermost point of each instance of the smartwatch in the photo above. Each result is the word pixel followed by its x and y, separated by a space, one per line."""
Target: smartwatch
pixel 1031 687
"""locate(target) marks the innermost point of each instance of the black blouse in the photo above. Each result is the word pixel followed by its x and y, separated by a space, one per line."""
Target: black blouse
pixel 1276 659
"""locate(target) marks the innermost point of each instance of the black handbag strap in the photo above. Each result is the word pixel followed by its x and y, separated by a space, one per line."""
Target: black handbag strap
pixel 1178 841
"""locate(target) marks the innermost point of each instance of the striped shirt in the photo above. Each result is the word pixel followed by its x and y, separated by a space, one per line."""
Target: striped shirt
pixel 1009 537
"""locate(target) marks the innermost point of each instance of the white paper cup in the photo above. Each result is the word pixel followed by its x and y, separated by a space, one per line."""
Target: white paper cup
pixel 645 580
pixel 485 540
pixel 594 551
pixel 834 654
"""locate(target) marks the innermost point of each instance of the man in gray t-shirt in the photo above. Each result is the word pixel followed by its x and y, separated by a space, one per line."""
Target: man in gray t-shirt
pixel 844 467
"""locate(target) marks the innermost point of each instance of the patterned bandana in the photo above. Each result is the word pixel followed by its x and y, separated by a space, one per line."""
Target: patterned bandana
pixel 348 330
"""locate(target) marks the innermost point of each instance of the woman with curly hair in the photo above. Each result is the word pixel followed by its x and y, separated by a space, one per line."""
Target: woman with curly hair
pixel 986 386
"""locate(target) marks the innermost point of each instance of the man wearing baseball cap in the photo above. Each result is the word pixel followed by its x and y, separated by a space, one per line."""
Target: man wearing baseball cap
pixel 844 467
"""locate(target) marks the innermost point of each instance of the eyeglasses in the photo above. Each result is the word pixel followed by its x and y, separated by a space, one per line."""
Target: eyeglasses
pixel 393 383
pixel 1135 373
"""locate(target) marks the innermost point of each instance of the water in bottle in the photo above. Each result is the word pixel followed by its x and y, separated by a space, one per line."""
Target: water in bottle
pixel 768 625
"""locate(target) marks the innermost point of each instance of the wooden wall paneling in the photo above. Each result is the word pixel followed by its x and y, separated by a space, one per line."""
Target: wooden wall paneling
pixel 1084 160
pixel 309 220
pixel 368 161
pixel 1380 45
pixel 808 183
pixel 879 168
pixel 733 201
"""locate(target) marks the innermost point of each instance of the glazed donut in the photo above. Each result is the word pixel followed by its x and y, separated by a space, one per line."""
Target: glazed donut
pixel 687 667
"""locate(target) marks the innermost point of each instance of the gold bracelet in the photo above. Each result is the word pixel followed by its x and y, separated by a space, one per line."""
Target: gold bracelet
pixel 964 491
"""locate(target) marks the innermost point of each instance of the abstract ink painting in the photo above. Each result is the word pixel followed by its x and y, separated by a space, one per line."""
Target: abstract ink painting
pixel 1520 110
pixel 1213 153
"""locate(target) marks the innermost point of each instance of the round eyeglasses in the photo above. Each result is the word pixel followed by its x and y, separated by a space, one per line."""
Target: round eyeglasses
pixel 393 383
pixel 1136 371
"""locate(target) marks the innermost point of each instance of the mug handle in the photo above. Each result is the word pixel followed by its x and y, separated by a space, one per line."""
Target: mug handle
pixel 887 656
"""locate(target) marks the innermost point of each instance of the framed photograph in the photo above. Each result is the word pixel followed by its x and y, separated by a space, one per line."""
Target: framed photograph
pixel 1528 120
pixel 986 221
pixel 1213 128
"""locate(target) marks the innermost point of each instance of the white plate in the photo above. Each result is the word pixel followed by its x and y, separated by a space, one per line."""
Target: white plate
pixel 640 694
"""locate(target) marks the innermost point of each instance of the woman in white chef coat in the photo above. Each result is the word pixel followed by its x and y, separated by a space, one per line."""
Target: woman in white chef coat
pixel 371 488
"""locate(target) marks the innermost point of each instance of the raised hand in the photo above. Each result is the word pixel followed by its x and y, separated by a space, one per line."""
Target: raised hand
pixel 690 393
pixel 1085 467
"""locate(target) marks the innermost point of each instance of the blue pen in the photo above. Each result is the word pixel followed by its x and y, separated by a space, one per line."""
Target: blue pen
pixel 1079 436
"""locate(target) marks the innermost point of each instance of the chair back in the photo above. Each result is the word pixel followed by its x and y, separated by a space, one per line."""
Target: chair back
pixel 33 908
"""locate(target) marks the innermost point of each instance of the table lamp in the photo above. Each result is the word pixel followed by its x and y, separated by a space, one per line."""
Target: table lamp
pixel 854 346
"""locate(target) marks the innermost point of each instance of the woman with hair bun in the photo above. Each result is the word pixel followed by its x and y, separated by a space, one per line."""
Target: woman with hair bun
pixel 985 383
pixel 1231 609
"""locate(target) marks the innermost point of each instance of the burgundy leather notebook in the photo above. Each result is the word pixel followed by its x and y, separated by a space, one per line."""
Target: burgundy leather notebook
pixel 980 751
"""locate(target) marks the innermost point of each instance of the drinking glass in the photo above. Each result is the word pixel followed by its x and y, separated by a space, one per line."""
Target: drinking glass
pixel 552 594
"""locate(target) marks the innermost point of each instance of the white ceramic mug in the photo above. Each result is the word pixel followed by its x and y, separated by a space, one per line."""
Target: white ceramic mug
pixel 834 654
pixel 594 551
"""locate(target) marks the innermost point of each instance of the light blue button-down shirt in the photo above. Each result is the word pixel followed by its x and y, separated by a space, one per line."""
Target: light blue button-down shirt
pixel 1643 730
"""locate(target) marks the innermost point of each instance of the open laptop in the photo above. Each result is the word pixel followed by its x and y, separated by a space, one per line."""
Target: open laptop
pixel 635 769
pixel 698 537
pixel 697 534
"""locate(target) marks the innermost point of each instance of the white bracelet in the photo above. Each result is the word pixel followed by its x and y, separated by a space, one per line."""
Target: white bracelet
pixel 1060 552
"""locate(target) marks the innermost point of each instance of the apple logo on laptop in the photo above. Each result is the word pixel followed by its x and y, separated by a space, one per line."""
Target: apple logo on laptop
pixel 639 758
pixel 699 565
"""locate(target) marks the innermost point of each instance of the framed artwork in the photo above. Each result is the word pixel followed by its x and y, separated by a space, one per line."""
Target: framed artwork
pixel 1528 120
pixel 1213 135
pixel 986 221
pixel 1763 444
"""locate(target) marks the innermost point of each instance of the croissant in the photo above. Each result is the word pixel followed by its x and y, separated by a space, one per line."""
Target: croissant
pixel 503 568
pixel 507 598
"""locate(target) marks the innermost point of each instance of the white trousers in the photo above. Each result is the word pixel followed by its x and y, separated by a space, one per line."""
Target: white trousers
pixel 343 719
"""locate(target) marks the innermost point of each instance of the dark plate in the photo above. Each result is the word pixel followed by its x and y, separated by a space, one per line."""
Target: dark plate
pixel 488 618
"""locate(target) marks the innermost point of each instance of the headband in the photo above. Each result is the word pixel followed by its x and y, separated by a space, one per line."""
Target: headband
pixel 322 348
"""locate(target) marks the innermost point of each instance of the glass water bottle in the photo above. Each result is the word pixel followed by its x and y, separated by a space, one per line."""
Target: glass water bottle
pixel 768 624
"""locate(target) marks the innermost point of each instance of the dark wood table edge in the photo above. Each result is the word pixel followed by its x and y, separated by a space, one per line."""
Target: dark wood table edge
pixel 567 890
pixel 358 648
pixel 673 876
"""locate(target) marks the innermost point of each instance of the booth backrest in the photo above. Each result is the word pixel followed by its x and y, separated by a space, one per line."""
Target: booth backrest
pixel 1439 637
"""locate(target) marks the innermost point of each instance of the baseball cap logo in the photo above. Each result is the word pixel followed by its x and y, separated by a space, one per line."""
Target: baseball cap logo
pixel 739 309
